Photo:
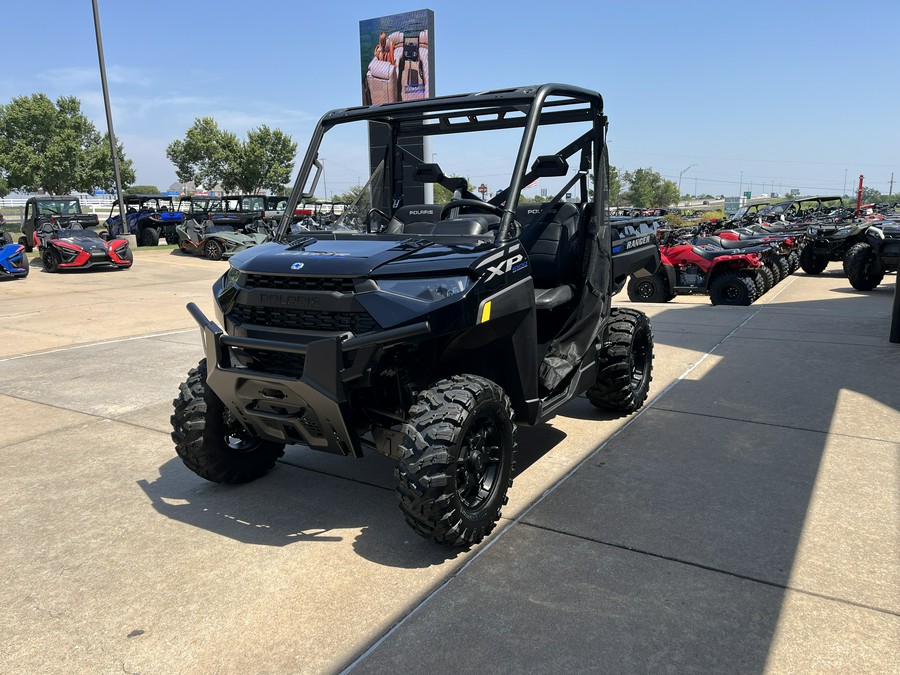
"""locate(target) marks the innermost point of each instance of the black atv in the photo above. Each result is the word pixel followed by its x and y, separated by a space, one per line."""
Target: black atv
pixel 830 241
pixel 427 332
pixel 867 261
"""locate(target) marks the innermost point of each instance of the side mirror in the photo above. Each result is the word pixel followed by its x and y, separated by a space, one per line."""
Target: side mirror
pixel 550 166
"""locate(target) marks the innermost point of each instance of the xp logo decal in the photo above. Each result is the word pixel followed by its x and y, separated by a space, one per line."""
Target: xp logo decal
pixel 511 264
pixel 297 266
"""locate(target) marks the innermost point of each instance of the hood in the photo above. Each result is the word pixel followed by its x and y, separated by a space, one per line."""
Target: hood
pixel 357 256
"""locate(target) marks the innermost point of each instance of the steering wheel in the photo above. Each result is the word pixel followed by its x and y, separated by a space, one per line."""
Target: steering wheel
pixel 473 204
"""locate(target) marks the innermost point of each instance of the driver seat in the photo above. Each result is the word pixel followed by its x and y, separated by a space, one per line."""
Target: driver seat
pixel 419 218
pixel 192 233
pixel 552 247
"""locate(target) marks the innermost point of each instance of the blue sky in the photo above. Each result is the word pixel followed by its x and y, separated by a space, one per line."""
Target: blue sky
pixel 781 94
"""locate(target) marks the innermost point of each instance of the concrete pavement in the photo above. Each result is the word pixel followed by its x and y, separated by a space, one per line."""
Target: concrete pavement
pixel 746 521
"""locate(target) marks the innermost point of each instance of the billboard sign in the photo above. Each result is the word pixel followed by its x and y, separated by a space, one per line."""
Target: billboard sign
pixel 397 57
pixel 397 64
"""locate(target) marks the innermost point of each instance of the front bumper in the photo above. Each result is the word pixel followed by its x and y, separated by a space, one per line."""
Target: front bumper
pixel 313 409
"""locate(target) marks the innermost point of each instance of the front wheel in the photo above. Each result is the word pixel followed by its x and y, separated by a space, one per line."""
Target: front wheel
pixel 211 442
pixel 50 258
pixel 810 262
pixel 459 447
pixel 862 267
pixel 625 363
pixel 732 288
pixel 213 250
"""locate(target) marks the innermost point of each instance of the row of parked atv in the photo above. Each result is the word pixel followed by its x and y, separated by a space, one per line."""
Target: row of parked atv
pixel 733 267
pixel 738 260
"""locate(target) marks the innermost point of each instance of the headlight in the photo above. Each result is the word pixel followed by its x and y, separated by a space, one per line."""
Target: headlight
pixel 842 231
pixel 427 290
pixel 813 231
pixel 230 278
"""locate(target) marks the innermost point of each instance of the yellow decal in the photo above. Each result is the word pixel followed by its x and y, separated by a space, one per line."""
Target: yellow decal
pixel 486 312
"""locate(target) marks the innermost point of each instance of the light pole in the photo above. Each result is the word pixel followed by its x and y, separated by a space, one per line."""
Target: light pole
pixel 109 121
pixel 679 178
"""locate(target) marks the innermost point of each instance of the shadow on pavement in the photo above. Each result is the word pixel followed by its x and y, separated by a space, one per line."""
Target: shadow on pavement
pixel 321 502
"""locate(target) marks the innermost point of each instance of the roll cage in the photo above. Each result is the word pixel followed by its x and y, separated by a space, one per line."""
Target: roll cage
pixel 526 108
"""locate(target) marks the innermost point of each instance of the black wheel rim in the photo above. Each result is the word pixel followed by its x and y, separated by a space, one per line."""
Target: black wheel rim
pixel 645 289
pixel 731 292
pixel 640 358
pixel 479 466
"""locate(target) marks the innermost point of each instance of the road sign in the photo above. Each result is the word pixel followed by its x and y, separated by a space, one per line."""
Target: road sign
pixel 747 195
pixel 483 189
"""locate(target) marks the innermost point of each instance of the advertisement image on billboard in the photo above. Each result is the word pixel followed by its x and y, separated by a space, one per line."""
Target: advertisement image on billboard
pixel 397 58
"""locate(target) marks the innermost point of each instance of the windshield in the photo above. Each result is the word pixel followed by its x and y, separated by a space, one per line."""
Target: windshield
pixel 59 207
pixel 253 203
pixel 354 216
pixel 68 234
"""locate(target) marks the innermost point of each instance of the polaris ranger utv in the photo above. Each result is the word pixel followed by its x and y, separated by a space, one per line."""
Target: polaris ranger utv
pixel 426 332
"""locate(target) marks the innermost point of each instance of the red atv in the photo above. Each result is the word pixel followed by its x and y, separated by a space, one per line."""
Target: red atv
pixel 729 276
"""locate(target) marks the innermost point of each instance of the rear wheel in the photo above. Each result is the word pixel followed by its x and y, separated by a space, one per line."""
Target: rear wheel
pixel 775 269
pixel 810 262
pixel 209 440
pixel 213 250
pixel 50 258
pixel 625 363
pixel 768 278
pixel 759 282
pixel 732 288
pixel 459 448
pixel 149 236
pixel 653 288
pixel 794 261
pixel 862 266
pixel 784 266
pixel 5 238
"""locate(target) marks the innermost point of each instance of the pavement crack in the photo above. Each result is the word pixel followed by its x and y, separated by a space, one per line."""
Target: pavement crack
pixel 717 570
pixel 771 424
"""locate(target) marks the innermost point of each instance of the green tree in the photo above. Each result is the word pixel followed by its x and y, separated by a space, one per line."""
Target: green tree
pixel 209 155
pixel 870 195
pixel 648 189
pixel 97 170
pixel 615 186
pixel 53 146
pixel 263 162
pixel 200 157
pixel 142 190
pixel 4 187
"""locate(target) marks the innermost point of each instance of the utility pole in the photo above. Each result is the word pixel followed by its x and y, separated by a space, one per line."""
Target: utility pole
pixel 891 188
pixel 845 184
pixel 741 187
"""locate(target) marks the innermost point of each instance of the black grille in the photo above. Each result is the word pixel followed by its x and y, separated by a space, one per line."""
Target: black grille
pixel 304 319
pixel 277 363
pixel 292 283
